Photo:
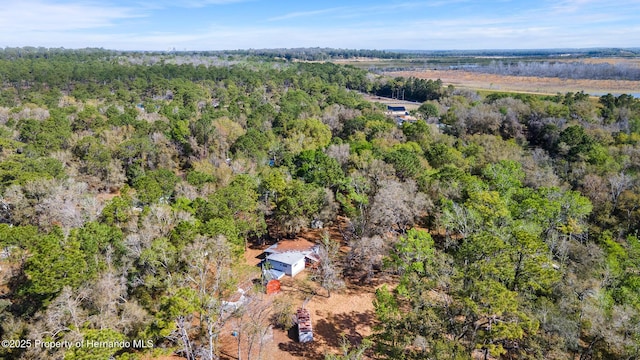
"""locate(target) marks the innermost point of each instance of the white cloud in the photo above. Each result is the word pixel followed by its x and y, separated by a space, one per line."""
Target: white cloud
pixel 86 24
pixel 570 6
pixel 355 11
pixel 41 16
pixel 305 14
pixel 164 4
pixel 411 36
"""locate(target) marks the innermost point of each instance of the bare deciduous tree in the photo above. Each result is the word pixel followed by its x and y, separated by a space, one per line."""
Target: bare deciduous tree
pixel 617 184
pixel 328 272
pixel 252 325
pixel 366 255
pixel 461 220
pixel 209 273
pixel 539 170
pixel 595 187
pixel 62 320
pixel 50 202
pixel 339 152
pixel 335 115
pixel 183 327
pixel 481 119
pixel 396 206
pixel 115 175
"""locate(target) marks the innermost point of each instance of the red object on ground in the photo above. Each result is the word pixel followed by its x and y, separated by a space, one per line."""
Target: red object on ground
pixel 273 286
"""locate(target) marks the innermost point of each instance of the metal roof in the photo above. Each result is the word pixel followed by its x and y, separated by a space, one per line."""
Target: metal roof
pixel 282 246
pixel 289 258
pixel 274 274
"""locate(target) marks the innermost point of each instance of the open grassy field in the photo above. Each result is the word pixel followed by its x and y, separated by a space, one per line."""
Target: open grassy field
pixel 527 84
pixel 437 68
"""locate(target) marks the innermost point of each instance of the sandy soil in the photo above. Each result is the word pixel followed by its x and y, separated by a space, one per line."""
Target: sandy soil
pixel 6 271
pixel 465 79
pixel 104 197
pixel 349 313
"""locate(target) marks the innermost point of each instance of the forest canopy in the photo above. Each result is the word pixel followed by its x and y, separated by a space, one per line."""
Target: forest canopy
pixel 131 185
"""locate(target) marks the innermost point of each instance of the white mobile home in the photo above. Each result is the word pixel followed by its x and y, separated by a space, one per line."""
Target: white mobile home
pixel 290 257
pixel 290 263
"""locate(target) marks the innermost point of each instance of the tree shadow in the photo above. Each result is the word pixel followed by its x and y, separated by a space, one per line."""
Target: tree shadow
pixel 331 329
pixel 304 287
pixel 292 333
pixel 366 280
pixel 306 350
pixel 328 331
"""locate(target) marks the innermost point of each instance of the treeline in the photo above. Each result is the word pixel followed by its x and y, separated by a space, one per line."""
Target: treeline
pixel 39 79
pixel 410 89
pixel 319 54
pixel 129 193
pixel 305 54
pixel 10 53
pixel 322 54
pixel 563 70
pixel 530 53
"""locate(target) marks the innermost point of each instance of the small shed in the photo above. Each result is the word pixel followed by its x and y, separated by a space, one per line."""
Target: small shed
pixel 305 333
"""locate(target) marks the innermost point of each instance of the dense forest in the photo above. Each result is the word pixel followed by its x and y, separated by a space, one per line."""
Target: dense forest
pixel 505 226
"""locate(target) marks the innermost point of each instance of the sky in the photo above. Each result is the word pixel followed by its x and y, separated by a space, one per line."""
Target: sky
pixel 370 24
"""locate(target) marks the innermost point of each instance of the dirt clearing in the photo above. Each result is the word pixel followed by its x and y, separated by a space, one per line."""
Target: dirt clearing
pixel 409 105
pixel 349 313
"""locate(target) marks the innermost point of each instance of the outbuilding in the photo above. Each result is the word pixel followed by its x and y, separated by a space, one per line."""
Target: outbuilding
pixel 397 110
